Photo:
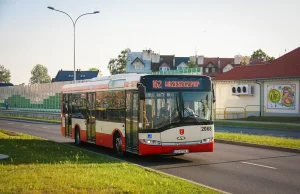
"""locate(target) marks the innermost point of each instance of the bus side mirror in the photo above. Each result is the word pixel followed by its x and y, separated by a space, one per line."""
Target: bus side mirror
pixel 213 93
pixel 142 91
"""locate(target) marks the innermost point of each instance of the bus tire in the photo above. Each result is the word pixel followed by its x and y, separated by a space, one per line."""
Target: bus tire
pixel 77 136
pixel 118 144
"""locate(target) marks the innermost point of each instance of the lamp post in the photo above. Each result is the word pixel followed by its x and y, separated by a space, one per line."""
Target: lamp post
pixel 74 24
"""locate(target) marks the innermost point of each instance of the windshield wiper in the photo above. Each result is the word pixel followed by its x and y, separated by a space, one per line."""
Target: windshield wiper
pixel 177 105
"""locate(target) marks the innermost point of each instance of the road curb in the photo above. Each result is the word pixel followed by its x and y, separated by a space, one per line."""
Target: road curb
pixel 258 146
pixel 28 120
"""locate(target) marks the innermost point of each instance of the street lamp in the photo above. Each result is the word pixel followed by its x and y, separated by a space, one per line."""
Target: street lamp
pixel 74 23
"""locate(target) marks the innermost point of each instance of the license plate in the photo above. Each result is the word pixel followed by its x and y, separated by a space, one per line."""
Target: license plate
pixel 181 151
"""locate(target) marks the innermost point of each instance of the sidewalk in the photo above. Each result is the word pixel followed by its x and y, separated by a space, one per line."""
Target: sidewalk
pixel 259 122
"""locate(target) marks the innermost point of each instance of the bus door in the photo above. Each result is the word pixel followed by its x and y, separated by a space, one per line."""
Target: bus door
pixel 91 119
pixel 132 114
pixel 67 115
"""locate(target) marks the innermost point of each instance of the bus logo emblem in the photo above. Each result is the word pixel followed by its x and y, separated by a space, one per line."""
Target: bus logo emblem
pixel 181 131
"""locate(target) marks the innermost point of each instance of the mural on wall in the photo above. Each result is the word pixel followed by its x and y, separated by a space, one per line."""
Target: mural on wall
pixel 281 96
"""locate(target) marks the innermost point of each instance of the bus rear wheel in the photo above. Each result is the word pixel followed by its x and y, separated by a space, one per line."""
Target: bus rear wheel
pixel 118 144
pixel 77 136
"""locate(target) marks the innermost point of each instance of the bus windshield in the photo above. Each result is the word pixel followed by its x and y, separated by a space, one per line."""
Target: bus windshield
pixel 165 108
pixel 197 104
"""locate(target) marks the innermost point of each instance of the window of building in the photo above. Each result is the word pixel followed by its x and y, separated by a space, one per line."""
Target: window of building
pixel 164 68
pixel 227 68
pixel 139 66
pixel 210 68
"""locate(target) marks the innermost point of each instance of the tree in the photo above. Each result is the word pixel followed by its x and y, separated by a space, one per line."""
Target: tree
pixel 39 74
pixel 93 69
pixel 4 74
pixel 192 64
pixel 259 54
pixel 118 65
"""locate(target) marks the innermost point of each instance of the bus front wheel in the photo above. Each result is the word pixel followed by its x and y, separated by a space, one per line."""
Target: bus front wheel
pixel 118 144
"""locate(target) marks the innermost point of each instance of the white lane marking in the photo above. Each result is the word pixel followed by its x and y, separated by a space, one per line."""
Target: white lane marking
pixel 259 165
pixel 45 127
pixel 10 123
pixel 26 125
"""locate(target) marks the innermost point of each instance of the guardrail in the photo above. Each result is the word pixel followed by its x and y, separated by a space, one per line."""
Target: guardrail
pixel 219 113
pixel 238 112
pixel 35 114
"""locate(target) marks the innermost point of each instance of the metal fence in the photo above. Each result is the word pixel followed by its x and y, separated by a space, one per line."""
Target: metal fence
pixel 239 112
pixel 185 71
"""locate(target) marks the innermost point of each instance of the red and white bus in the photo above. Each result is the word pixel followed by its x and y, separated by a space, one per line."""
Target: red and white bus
pixel 141 113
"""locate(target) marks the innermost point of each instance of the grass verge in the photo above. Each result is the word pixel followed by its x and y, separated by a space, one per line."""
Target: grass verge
pixel 257 125
pixel 259 139
pixel 30 118
pixel 39 166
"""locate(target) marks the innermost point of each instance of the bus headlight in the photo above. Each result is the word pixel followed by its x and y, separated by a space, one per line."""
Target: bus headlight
pixel 150 142
pixel 207 140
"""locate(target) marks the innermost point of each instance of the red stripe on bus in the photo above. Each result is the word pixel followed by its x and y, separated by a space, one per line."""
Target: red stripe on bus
pixel 73 133
pixel 107 140
pixel 103 139
pixel 151 149
pixel 83 136
pixel 63 131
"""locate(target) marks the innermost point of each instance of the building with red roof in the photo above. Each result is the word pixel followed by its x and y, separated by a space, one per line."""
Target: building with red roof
pixel 273 87
pixel 215 66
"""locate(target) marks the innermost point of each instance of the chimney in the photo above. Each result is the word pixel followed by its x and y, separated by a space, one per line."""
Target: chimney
pixel 237 59
pixel 146 55
pixel 200 60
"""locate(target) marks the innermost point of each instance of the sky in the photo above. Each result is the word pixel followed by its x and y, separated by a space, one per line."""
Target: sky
pixel 31 34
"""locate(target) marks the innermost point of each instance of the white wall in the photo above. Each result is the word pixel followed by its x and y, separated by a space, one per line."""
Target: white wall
pixel 224 98
pixel 282 111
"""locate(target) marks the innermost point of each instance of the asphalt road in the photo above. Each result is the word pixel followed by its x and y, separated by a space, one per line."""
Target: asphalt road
pixel 257 131
pixel 232 168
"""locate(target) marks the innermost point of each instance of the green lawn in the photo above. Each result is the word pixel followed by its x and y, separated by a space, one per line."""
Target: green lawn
pixel 39 166
pixel 259 139
pixel 273 119
pixel 258 125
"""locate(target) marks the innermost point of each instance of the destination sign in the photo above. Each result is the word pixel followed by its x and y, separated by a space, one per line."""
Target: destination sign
pixel 174 83
pixel 159 84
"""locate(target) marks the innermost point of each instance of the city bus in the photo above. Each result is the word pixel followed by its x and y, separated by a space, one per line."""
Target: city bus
pixel 141 113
